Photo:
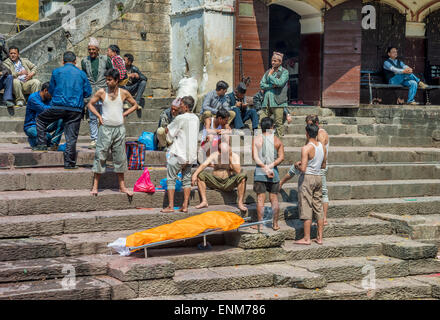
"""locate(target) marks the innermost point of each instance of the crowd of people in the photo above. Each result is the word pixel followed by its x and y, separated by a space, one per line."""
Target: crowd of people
pixel 113 87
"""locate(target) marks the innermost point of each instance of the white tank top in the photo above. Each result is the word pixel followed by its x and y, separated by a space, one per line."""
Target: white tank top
pixel 314 165
pixel 112 110
pixel 326 147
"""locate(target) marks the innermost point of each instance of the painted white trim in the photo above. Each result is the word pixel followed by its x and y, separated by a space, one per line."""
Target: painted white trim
pixel 312 24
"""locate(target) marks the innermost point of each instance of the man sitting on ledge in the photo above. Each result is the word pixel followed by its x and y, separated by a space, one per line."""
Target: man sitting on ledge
pixel 226 175
pixel 396 72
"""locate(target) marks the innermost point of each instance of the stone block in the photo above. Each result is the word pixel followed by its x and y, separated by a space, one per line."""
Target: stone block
pixel 424 266
pixel 119 289
pixel 133 269
pixel 30 248
pixel 264 239
pixel 159 287
pixel 409 250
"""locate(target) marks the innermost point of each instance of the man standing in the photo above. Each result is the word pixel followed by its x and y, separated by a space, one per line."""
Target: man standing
pixel 396 72
pixel 95 67
pixel 268 153
pixel 165 118
pixel 274 84
pixel 324 139
pixel 239 106
pixel 113 52
pixel 111 135
pixel 226 175
pixel 215 100
pixel 68 88
pixel 7 83
pixel 137 82
pixel 313 159
pixel 23 72
pixel 184 132
pixel 37 103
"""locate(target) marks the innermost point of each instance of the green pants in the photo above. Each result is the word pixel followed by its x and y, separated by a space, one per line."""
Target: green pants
pixel 110 139
pixel 278 113
pixel 217 183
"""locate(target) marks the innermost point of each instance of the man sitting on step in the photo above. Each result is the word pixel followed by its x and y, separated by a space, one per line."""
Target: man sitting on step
pixel 313 159
pixel 23 72
pixel 136 80
pixel 214 100
pixel 396 72
pixel 166 117
pixel 37 103
pixel 225 177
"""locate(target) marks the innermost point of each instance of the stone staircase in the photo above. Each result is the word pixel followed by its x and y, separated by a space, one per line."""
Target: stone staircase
pixel 384 220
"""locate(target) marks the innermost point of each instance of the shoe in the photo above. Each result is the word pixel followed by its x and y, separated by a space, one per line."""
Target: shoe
pixel 70 167
pixel 9 104
pixel 53 148
pixel 126 106
pixel 413 103
pixel 39 148
pixel 92 144
pixel 20 103
pixel 423 85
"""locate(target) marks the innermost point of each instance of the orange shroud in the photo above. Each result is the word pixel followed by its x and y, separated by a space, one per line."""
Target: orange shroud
pixel 186 228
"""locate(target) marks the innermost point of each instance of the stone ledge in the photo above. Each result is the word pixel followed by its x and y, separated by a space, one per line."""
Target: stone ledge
pixel 128 269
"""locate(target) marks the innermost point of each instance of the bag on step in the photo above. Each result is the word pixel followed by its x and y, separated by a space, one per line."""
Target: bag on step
pixel 147 138
pixel 144 184
pixel 135 155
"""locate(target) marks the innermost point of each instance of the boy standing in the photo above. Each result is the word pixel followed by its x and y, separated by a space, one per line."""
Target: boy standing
pixel 111 133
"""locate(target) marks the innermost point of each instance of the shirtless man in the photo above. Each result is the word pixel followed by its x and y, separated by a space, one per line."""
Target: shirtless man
pixel 226 175
pixel 325 140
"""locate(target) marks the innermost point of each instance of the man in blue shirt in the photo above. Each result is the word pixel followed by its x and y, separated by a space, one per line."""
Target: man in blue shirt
pixel 68 88
pixel 242 112
pixel 396 72
pixel 214 100
pixel 37 103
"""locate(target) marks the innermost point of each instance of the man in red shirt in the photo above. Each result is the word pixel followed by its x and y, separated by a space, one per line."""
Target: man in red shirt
pixel 113 52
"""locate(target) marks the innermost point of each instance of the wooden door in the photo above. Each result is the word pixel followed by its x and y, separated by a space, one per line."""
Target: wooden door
pixel 252 33
pixel 433 38
pixel 342 55
pixel 390 31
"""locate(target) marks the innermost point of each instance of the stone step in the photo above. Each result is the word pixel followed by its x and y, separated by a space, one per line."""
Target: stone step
pixel 56 201
pixel 188 281
pixel 84 288
pixel 402 288
pixel 21 155
pixel 300 120
pixel 52 268
pixel 356 268
pixel 398 130
pixel 58 178
pixel 92 242
pixel 420 227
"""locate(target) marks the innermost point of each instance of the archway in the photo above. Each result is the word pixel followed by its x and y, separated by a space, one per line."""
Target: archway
pixel 252 32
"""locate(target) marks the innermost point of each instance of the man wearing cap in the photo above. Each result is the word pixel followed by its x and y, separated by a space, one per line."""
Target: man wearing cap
pixel 166 117
pixel 95 66
pixel 274 84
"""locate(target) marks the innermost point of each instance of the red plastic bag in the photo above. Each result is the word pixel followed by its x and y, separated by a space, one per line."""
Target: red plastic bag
pixel 144 183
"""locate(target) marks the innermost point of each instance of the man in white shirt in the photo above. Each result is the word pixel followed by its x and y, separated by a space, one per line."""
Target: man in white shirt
pixel 184 132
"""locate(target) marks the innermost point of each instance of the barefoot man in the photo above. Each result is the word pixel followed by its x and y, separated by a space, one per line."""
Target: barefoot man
pixel 325 140
pixel 268 153
pixel 183 131
pixel 313 159
pixel 111 133
pixel 226 175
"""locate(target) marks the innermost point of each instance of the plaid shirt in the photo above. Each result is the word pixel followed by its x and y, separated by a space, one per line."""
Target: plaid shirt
pixel 135 155
pixel 119 64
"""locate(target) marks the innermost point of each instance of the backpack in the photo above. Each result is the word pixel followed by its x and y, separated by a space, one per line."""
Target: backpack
pixel 135 155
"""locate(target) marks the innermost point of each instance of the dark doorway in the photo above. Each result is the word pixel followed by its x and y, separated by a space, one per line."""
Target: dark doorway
pixel 285 37
pixel 433 48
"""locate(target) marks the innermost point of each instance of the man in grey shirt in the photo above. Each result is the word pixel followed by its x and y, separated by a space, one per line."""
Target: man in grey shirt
pixel 215 100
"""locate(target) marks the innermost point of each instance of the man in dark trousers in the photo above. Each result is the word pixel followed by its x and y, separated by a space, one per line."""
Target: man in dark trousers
pixel 137 82
pixel 68 88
